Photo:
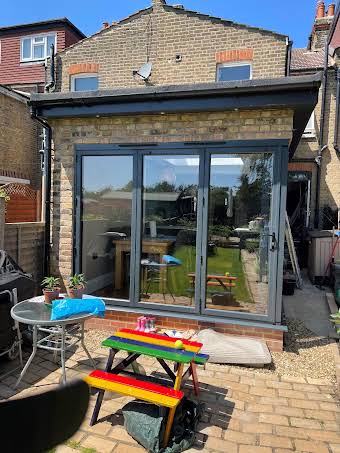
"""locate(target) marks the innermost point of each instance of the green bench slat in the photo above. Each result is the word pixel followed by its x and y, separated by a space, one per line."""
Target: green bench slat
pixel 149 351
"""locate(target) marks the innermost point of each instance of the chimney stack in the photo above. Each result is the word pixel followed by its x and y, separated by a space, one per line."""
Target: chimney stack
pixel 158 2
pixel 331 10
pixel 320 9
pixel 321 26
pixel 105 25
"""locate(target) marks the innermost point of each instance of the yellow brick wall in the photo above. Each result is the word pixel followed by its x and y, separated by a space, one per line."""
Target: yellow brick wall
pixel 235 125
pixel 158 35
pixel 330 164
pixel 18 141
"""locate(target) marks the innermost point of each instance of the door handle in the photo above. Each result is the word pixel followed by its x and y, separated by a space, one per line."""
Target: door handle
pixel 273 242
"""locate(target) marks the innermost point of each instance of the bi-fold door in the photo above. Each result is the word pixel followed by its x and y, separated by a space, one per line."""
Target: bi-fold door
pixel 180 229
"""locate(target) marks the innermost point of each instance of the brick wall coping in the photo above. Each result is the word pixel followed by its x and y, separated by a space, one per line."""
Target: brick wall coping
pixel 26 224
pixel 204 318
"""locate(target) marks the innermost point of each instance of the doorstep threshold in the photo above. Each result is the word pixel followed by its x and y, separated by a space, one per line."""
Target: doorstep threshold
pixel 203 318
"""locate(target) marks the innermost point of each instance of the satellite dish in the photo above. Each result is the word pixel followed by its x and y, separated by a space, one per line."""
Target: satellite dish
pixel 145 71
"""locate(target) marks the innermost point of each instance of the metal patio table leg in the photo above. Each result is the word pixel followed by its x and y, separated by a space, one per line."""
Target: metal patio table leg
pixel 85 348
pixel 31 357
pixel 62 353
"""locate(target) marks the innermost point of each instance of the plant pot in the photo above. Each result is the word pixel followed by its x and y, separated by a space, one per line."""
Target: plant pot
pixel 75 293
pixel 51 295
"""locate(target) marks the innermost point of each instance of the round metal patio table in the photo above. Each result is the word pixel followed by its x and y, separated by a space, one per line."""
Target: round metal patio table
pixel 59 338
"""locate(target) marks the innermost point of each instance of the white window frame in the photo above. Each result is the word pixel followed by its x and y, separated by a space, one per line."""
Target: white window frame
pixel 309 131
pixel 233 64
pixel 44 37
pixel 83 75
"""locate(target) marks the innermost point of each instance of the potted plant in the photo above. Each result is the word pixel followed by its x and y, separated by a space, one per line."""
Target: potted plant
pixel 76 285
pixel 51 289
pixel 335 319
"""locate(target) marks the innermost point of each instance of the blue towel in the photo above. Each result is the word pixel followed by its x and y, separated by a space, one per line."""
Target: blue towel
pixel 168 259
pixel 67 308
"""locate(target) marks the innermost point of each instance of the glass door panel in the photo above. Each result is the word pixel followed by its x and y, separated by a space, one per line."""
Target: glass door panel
pixel 239 228
pixel 169 229
pixel 106 214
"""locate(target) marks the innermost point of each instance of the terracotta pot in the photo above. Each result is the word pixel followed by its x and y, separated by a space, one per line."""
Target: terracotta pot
pixel 51 295
pixel 75 293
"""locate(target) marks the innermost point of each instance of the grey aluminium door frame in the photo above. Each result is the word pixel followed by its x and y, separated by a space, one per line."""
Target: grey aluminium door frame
pixel 279 149
pixel 276 152
pixel 170 151
pixel 82 151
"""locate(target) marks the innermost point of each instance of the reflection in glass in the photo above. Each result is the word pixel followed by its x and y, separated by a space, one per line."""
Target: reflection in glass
pixel 238 232
pixel 106 224
pixel 169 226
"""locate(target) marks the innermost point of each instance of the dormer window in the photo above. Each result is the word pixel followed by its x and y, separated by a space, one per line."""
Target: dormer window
pixel 227 72
pixel 37 47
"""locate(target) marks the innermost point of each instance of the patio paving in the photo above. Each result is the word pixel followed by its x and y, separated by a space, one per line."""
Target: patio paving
pixel 245 411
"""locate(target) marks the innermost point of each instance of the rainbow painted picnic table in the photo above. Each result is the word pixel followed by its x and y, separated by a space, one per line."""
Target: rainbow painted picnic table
pixel 147 388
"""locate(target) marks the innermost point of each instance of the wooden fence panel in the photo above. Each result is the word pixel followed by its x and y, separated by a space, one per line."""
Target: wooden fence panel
pixel 25 243
pixel 23 203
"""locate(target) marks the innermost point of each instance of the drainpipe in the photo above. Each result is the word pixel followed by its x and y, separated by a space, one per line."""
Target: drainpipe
pixel 51 84
pixel 322 146
pixel 337 111
pixel 47 194
pixel 289 45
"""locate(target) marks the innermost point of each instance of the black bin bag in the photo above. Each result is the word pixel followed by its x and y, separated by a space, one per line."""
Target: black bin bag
pixel 146 422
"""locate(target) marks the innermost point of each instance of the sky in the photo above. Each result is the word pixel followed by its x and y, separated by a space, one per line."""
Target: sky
pixel 291 17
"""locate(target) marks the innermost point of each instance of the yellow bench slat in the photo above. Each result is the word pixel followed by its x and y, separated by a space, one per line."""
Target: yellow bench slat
pixel 144 395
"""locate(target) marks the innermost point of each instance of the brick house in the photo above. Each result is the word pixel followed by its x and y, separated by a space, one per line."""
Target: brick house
pixel 170 137
pixel 23 52
pixel 25 47
pixel 315 169
pixel 19 134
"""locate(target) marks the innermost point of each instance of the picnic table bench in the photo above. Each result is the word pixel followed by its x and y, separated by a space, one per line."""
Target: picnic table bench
pixel 162 348
pixel 225 281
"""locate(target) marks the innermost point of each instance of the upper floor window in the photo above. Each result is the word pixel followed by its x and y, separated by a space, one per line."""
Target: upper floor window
pixel 233 71
pixel 310 128
pixel 84 82
pixel 38 47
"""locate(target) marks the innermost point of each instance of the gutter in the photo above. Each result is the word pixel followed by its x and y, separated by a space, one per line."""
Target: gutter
pixel 47 195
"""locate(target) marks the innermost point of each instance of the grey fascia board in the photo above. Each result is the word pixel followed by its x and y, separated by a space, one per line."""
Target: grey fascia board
pixel 180 91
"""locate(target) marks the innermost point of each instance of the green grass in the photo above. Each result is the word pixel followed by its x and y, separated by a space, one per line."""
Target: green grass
pixel 224 260
pixel 76 446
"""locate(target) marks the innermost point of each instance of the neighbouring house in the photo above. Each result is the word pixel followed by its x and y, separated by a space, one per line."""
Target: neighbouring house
pixel 317 156
pixel 314 171
pixel 20 169
pixel 169 135
pixel 24 49
pixel 20 177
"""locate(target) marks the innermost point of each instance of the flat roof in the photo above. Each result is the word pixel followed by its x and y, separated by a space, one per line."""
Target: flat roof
pixel 299 93
pixel 281 84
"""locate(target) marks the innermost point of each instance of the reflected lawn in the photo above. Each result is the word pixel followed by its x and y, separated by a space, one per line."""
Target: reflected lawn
pixel 224 260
